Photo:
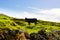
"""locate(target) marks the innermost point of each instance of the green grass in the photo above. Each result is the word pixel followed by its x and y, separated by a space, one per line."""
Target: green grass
pixel 15 23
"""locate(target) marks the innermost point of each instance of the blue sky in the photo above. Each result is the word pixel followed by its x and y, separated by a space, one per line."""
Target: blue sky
pixel 24 4
pixel 41 9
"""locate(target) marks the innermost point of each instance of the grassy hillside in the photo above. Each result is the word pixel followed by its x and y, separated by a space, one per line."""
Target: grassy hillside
pixel 48 26
pixel 15 23
pixel 6 22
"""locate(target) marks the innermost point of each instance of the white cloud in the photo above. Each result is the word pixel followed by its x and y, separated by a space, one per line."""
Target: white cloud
pixel 53 14
pixel 42 14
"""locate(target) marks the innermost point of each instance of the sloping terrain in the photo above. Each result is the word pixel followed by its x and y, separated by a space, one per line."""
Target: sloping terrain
pixel 15 23
pixel 6 22
pixel 48 26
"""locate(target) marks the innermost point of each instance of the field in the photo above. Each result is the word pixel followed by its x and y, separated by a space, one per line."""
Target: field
pixel 16 23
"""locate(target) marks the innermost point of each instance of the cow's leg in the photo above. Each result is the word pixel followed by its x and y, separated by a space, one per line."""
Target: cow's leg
pixel 35 23
pixel 29 23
